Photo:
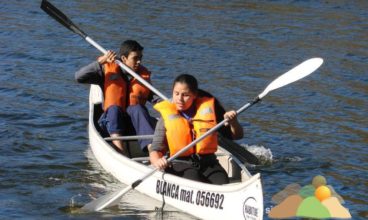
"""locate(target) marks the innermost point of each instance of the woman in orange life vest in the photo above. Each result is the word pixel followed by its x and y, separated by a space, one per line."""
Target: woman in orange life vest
pixel 186 117
pixel 124 98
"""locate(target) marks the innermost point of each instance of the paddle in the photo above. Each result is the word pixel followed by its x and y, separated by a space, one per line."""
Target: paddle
pixel 298 72
pixel 238 151
pixel 65 21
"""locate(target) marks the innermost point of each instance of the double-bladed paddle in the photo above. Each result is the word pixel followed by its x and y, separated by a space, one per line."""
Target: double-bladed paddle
pixel 298 72
pixel 242 154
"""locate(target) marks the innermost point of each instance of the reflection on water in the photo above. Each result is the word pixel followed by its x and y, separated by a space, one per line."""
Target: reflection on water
pixel 317 126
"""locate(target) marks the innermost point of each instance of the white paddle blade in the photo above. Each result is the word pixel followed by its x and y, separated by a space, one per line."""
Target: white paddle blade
pixel 298 72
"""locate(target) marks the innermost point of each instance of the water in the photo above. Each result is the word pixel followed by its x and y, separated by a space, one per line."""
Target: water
pixel 317 126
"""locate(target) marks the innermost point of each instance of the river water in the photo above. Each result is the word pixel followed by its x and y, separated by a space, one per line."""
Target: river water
pixel 317 126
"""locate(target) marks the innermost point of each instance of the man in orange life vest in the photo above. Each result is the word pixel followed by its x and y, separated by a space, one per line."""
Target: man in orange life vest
pixel 124 97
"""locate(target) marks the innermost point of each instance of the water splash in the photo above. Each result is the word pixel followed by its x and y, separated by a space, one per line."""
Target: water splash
pixel 72 200
pixel 263 154
pixel 73 207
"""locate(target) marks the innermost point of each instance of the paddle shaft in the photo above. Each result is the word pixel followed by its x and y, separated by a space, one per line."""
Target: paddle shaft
pixel 127 69
pixel 298 72
pixel 184 149
pixel 302 70
pixel 66 22
pixel 112 199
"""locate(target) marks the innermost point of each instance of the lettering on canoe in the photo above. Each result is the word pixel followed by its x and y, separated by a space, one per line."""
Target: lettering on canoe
pixel 167 189
pixel 201 198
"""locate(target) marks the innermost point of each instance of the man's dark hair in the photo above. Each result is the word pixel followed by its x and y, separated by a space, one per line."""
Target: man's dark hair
pixel 128 46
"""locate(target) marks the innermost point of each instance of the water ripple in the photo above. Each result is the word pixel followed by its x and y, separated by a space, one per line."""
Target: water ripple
pixel 234 48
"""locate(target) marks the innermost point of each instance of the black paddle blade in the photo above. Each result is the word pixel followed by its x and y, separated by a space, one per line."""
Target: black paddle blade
pixel 238 151
pixel 61 17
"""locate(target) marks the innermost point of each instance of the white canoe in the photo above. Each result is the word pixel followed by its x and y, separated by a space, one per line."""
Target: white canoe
pixel 241 199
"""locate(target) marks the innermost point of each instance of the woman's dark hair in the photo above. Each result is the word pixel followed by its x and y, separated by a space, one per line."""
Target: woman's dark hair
pixel 190 80
pixel 128 46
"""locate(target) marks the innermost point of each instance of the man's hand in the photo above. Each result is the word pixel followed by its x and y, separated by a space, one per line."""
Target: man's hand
pixel 107 58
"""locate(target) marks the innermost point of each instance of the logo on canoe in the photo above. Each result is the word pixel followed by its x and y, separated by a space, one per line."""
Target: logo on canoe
pixel 316 200
pixel 250 209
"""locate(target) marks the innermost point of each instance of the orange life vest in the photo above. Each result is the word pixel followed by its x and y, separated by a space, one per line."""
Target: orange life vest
pixel 138 93
pixel 180 132
pixel 115 87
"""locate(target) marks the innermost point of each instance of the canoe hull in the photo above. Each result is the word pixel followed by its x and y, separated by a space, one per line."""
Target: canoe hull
pixel 241 200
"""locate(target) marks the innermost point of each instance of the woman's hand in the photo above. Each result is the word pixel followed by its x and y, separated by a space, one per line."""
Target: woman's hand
pixel 230 116
pixel 107 58
pixel 235 127
pixel 158 161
